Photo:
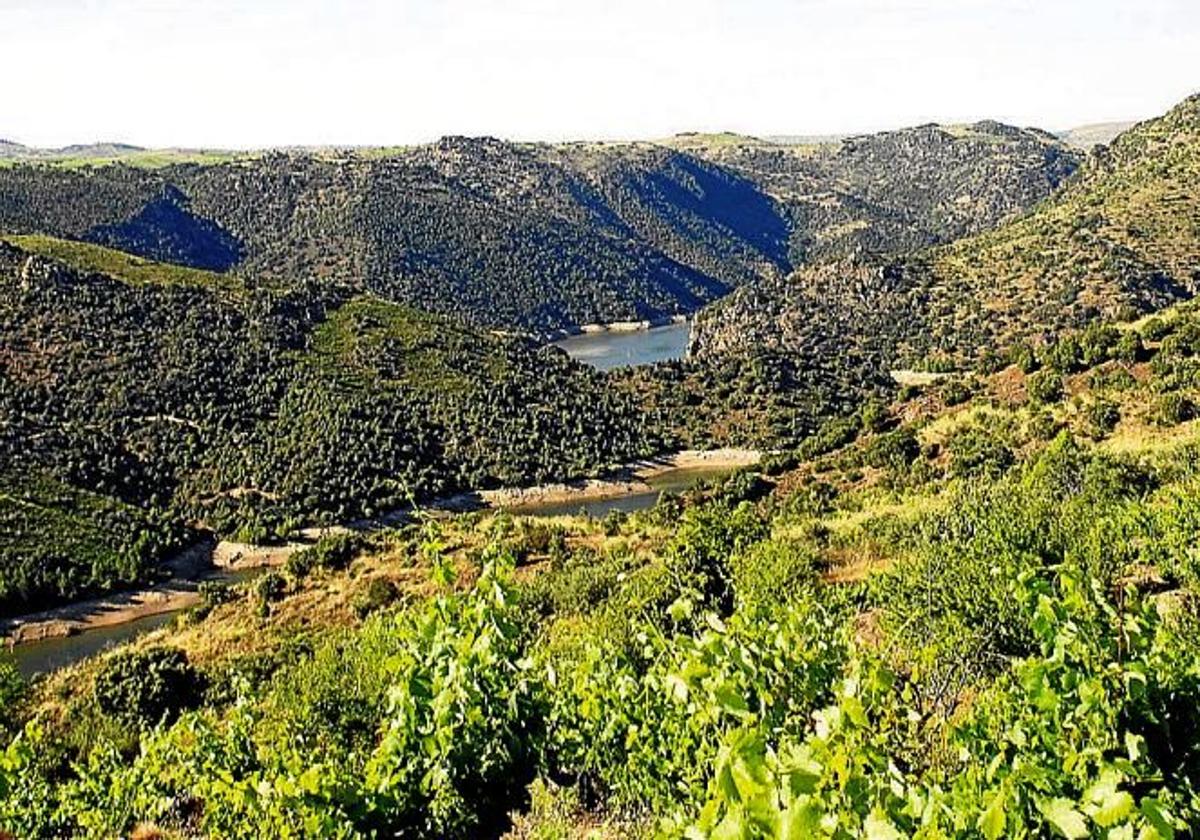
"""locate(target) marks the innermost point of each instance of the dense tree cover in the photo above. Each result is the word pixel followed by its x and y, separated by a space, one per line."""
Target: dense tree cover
pixel 1119 239
pixel 1012 672
pixel 537 237
pixel 763 400
pixel 132 408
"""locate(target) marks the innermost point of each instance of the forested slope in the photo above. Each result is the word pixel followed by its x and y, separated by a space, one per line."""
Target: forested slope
pixel 896 191
pixel 970 613
pixel 541 238
pixel 163 397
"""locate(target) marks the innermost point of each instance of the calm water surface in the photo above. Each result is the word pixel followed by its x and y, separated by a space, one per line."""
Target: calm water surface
pixel 608 350
pixel 48 654
pixel 671 481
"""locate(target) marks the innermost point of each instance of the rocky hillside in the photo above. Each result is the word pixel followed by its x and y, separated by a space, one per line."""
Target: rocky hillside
pixel 1122 238
pixel 540 238
pixel 896 191
pixel 509 236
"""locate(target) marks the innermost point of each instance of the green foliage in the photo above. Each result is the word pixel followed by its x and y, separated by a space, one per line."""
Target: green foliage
pixel 1044 387
pixel 1172 409
pixel 331 552
pixel 1059 745
pixel 379 593
pixel 833 434
pixel 893 451
pixel 698 556
pixel 147 687
pixel 461 728
pixel 1022 355
pixel 1129 347
pixel 1102 417
pixel 269 587
pixel 269 409
pixel 978 451
pixel 12 693
pixel 639 725
pixel 955 392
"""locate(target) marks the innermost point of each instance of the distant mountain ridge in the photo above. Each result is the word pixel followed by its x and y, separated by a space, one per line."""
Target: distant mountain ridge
pixel 897 191
pixel 10 150
pixel 1087 137
pixel 542 238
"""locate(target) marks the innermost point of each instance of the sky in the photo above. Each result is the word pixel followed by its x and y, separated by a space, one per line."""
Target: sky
pixel 219 73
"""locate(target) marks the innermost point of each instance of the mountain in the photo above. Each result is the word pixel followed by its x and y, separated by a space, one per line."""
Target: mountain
pixel 79 152
pixel 542 238
pixel 896 191
pixel 1121 238
pixel 1087 137
pixel 140 403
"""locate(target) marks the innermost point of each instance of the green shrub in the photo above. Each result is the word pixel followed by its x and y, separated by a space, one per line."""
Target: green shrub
pixel 12 693
pixel 892 451
pixel 148 687
pixel 269 587
pixel 1172 409
pixel 1156 329
pixel 583 581
pixel 1102 417
pixel 214 593
pixel 1043 425
pixel 774 571
pixel 975 451
pixel 462 727
pixel 331 552
pixel 874 416
pixel 955 392
pixel 641 726
pixel 1044 387
pixel 1063 356
pixel 1096 343
pixel 777 463
pixel 1129 347
pixel 1074 740
pixel 833 434
pixel 379 593
pixel 1023 357
pixel 698 555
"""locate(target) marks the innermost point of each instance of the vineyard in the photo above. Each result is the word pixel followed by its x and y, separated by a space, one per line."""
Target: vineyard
pixel 970 613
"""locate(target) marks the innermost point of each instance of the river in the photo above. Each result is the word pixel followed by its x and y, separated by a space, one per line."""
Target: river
pixel 614 348
pixel 669 481
pixel 44 655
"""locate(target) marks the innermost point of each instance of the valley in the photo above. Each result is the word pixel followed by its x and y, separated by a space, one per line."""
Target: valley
pixel 870 513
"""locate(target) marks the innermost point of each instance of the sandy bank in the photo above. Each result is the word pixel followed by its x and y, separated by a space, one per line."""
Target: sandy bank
pixel 635 478
pixel 622 326
pixel 188 569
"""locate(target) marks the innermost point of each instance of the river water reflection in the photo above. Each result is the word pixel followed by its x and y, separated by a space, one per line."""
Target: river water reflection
pixel 608 350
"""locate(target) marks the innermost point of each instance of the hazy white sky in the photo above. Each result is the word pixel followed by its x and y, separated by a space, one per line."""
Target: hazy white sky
pixel 272 72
